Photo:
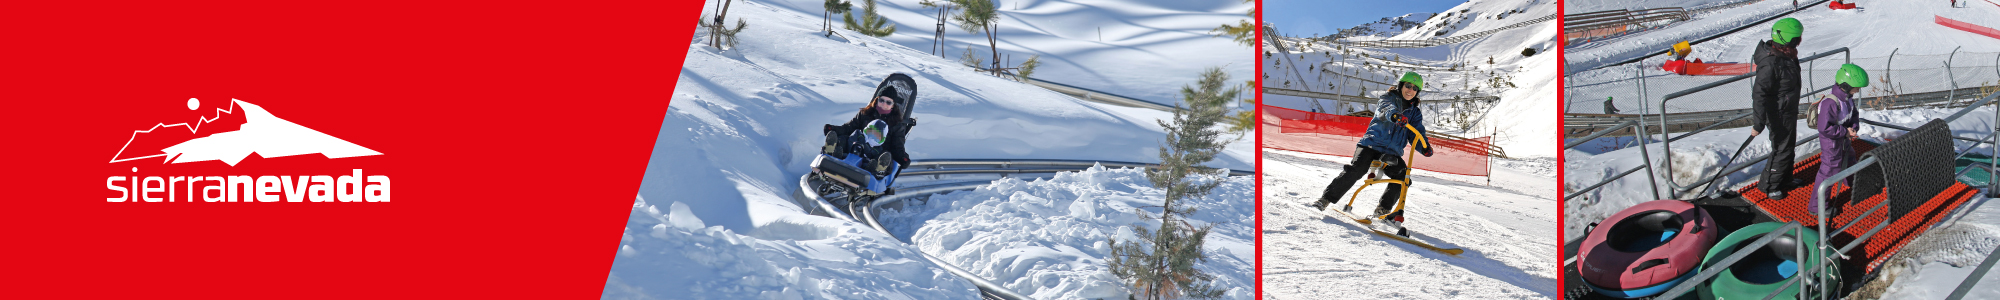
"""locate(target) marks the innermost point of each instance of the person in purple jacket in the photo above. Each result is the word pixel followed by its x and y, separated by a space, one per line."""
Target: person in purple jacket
pixel 1839 124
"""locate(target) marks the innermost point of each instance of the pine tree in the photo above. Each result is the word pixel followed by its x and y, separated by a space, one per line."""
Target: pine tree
pixel 1246 120
pixel 871 24
pixel 981 16
pixel 833 7
pixel 1160 265
pixel 969 59
pixel 1027 68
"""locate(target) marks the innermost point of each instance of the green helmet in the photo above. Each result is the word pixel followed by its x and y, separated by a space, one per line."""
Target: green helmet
pixel 1413 79
pixel 1851 75
pixel 1786 30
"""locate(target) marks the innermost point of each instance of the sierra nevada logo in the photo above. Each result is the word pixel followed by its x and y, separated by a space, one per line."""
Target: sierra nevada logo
pixel 255 131
pixel 233 133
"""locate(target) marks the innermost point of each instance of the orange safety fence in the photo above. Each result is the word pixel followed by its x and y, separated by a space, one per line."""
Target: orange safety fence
pixel 1330 134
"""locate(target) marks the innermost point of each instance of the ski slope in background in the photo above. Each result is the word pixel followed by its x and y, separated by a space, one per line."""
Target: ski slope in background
pixel 1507 229
pixel 715 216
pixel 1518 121
pixel 1931 267
pixel 1907 29
pixel 1139 49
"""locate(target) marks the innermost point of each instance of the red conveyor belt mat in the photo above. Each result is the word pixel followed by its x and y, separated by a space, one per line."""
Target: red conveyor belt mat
pixel 1879 247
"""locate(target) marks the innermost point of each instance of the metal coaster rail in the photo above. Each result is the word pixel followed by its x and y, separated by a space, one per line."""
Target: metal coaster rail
pixel 936 169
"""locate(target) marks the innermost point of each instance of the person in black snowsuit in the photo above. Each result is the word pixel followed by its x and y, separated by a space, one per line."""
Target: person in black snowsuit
pixel 1775 100
pixel 883 108
pixel 1384 142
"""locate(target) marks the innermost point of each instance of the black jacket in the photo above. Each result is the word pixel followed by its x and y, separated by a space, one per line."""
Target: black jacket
pixel 895 133
pixel 1776 94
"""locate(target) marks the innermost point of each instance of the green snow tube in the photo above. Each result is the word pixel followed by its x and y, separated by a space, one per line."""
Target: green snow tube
pixel 1761 273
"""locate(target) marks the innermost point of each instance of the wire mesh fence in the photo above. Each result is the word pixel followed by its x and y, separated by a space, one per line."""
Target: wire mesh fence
pixel 1896 80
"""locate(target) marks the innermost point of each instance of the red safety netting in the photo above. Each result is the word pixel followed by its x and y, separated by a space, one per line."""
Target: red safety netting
pixel 1330 134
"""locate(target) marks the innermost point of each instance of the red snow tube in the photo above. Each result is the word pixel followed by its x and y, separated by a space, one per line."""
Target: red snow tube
pixel 1675 66
pixel 1646 249
pixel 1838 5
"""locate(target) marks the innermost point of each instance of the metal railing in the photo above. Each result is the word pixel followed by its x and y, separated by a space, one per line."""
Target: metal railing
pixel 1639 125
pixel 1826 249
pixel 1669 143
pixel 1611 22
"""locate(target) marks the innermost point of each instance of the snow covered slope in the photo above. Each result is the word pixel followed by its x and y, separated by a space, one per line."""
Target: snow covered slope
pixel 1384 28
pixel 1507 229
pixel 1140 49
pixel 1526 85
pixel 1905 28
pixel 1047 238
pixel 744 123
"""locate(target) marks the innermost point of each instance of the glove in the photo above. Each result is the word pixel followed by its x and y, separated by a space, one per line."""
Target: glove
pixel 1400 119
pixel 1424 149
pixel 828 128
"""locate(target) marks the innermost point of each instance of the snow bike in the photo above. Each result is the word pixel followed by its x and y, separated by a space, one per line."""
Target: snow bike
pixel 856 174
pixel 1419 141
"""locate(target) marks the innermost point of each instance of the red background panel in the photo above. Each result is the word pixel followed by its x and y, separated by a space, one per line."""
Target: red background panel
pixel 515 135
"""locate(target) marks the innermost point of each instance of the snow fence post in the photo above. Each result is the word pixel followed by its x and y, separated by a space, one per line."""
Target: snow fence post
pixel 1952 95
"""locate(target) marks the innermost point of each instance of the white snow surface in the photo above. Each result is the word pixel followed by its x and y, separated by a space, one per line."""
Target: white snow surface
pixel 1520 122
pixel 1948 254
pixel 1507 229
pixel 1046 238
pixel 744 124
pixel 1140 49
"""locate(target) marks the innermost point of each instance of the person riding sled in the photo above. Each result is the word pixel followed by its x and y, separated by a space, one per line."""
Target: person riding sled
pixel 873 132
pixel 1775 102
pixel 1395 116
pixel 1839 123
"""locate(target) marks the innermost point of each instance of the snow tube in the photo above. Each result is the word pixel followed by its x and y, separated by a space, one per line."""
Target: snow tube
pixel 1646 249
pixel 1675 66
pixel 1836 5
pixel 1760 273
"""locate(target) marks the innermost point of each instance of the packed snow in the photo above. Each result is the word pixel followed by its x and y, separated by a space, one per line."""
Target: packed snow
pixel 1488 66
pixel 744 124
pixel 1507 228
pixel 1046 238
pixel 1139 49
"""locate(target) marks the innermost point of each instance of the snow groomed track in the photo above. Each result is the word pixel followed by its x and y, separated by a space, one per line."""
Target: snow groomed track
pixel 936 170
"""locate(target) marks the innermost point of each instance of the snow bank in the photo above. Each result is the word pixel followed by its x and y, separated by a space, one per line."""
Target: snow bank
pixel 1139 49
pixel 1046 238
pixel 675 256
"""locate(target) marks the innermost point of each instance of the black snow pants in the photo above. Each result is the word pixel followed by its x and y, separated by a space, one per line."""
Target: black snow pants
pixel 1782 130
pixel 1364 157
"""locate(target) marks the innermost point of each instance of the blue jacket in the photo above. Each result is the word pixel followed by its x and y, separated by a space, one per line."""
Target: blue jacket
pixel 1384 134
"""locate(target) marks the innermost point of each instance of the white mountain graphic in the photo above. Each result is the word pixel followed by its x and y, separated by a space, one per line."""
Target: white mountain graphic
pixel 266 135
